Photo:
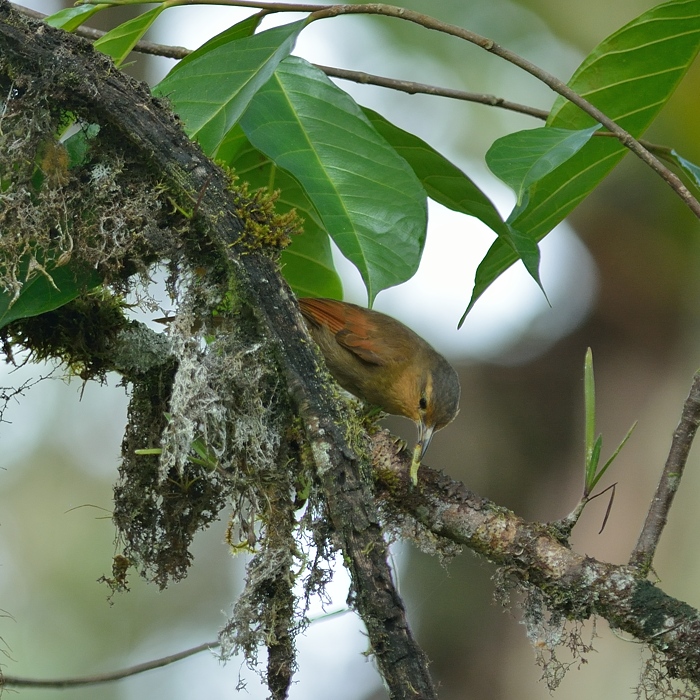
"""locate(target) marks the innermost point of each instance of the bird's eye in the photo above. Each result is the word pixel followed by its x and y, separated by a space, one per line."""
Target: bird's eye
pixel 423 403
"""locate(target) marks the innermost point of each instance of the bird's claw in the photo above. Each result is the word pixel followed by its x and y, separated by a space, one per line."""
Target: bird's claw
pixel 400 444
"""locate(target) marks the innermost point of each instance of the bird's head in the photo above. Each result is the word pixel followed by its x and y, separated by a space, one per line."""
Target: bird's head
pixel 433 397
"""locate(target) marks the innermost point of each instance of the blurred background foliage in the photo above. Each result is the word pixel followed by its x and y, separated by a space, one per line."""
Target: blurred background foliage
pixel 518 439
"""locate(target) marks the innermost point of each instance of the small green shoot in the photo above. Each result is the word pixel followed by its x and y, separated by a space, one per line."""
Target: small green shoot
pixel 205 457
pixel 594 443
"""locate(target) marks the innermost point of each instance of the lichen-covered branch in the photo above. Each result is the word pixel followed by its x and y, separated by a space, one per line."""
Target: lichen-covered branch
pixel 77 79
pixel 573 584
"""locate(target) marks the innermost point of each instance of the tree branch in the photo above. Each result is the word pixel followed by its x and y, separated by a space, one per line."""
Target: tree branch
pixel 413 88
pixel 409 86
pixel 656 519
pixel 573 584
pixel 17 682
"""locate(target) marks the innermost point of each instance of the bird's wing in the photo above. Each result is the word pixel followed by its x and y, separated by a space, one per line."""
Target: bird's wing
pixel 350 325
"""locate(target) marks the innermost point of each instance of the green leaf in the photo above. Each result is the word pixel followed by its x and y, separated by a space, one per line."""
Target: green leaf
pixel 629 76
pixel 498 259
pixel 523 158
pixel 592 464
pixel 241 30
pixel 443 181
pixel 119 42
pixel 367 196
pixel 692 170
pixel 307 264
pixel 72 17
pixel 78 145
pixel 40 294
pixel 604 468
pixel 446 184
pixel 233 143
pixel 212 90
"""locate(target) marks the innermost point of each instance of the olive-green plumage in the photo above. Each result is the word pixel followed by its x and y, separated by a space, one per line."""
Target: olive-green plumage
pixel 382 361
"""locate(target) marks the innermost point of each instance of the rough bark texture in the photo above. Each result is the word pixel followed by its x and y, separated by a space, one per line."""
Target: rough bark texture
pixel 576 585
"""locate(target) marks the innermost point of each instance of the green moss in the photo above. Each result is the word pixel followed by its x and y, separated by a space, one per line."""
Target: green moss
pixel 263 227
pixel 78 334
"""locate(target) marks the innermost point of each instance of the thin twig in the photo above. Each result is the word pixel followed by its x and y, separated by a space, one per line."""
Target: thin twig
pixel 643 553
pixel 105 677
pixel 413 88
pixel 147 47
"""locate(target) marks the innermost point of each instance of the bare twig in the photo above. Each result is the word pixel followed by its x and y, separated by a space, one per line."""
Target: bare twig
pixel 643 553
pixel 147 47
pixel 17 682
pixel 413 88
pixel 409 86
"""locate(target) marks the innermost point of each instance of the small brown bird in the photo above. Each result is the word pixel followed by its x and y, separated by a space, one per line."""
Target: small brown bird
pixel 379 360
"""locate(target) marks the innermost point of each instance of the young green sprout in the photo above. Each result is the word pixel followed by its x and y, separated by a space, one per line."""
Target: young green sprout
pixel 593 473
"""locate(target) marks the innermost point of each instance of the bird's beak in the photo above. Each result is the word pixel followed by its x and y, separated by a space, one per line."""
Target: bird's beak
pixel 425 435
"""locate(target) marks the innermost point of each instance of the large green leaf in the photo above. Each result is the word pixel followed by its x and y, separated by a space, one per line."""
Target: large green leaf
pixel 40 293
pixel 443 181
pixel 629 76
pixel 446 184
pixel 119 42
pixel 307 264
pixel 72 17
pixel 212 90
pixel 367 196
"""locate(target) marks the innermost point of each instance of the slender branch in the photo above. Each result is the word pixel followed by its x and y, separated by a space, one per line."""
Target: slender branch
pixel 409 86
pixel 18 682
pixel 147 47
pixel 656 519
pixel 548 79
pixel 413 88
